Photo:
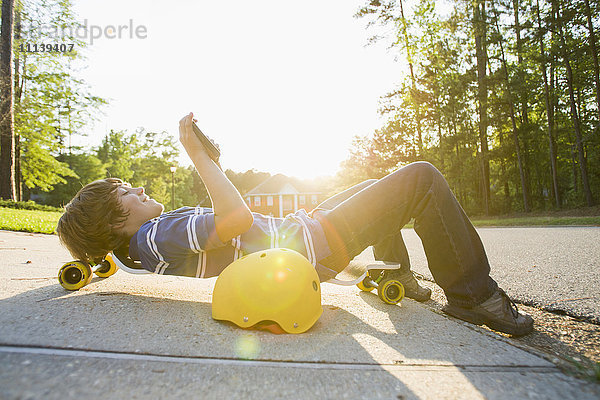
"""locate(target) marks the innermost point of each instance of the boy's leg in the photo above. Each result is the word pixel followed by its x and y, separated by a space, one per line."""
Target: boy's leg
pixel 334 200
pixel 454 250
pixel 391 249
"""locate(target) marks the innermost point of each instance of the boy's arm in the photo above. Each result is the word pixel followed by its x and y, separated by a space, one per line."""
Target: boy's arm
pixel 232 216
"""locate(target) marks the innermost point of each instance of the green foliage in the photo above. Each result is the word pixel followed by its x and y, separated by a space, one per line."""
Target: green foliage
pixel 443 102
pixel 117 152
pixel 51 103
pixel 86 168
pixel 27 205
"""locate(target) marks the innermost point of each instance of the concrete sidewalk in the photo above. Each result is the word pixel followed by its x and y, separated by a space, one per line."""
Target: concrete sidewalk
pixel 153 337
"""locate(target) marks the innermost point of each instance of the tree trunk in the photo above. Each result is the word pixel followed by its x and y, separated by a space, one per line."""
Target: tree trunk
pixel 479 20
pixel 594 52
pixel 524 187
pixel 18 88
pixel 414 84
pixel 522 96
pixel 438 109
pixel 506 206
pixel 522 93
pixel 574 114
pixel 7 137
pixel 549 114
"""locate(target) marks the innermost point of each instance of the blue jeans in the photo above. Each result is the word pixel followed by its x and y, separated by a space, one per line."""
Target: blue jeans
pixel 390 249
pixel 374 213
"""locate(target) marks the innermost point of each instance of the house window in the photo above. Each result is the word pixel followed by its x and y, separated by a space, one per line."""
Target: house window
pixel 256 200
pixel 302 199
pixel 269 200
pixel 314 198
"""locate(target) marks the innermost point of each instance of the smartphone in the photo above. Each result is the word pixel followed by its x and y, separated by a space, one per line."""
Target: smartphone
pixel 211 149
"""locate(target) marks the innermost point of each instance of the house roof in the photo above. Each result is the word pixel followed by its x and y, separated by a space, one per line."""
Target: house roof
pixel 281 184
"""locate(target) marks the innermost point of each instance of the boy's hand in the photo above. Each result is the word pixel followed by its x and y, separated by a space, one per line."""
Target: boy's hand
pixel 188 138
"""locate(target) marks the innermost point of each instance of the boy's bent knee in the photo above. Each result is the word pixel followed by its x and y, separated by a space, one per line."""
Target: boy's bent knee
pixel 424 167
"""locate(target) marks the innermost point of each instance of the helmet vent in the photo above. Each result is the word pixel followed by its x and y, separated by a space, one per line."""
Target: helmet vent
pixel 263 255
pixel 315 286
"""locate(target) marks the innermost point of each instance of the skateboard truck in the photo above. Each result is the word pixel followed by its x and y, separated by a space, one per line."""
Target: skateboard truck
pixel 389 289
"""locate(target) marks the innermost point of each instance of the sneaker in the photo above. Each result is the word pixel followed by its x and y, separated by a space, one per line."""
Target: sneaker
pixel 499 312
pixel 412 289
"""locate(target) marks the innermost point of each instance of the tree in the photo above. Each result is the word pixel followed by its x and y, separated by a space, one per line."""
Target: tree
pixel 51 103
pixel 414 92
pixel 7 135
pixel 480 32
pixel 574 112
pixel 549 111
pixel 86 168
pixel 118 152
pixel 510 100
pixel 507 100
pixel 594 54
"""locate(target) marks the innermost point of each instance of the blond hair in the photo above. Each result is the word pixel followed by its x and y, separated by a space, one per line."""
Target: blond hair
pixel 87 226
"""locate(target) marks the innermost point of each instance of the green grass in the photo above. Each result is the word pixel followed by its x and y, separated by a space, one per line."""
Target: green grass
pixel 535 221
pixel 28 220
pixel 532 221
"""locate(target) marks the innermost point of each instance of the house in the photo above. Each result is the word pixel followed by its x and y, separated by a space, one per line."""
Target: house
pixel 280 195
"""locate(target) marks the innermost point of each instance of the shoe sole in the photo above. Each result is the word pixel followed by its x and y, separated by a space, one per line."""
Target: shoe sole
pixel 409 293
pixel 466 315
pixel 417 297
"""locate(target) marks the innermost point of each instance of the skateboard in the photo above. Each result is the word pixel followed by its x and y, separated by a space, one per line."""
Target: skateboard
pixel 76 274
pixel 380 277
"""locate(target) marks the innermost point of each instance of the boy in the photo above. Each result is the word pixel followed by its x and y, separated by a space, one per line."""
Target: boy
pixel 108 214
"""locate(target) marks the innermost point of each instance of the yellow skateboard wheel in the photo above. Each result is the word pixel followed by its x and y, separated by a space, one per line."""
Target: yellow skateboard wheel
pixel 107 267
pixel 74 275
pixel 390 291
pixel 361 285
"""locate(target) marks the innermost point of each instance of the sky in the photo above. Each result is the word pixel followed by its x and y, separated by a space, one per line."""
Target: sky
pixel 281 86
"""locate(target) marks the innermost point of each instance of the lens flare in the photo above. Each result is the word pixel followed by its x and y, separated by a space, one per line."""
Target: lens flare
pixel 280 276
pixel 247 347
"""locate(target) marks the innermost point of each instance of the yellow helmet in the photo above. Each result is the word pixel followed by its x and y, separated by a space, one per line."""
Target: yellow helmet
pixel 278 285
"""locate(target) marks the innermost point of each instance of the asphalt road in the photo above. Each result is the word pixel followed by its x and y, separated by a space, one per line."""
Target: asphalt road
pixel 557 268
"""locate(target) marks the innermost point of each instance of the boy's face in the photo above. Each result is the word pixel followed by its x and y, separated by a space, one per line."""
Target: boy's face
pixel 140 206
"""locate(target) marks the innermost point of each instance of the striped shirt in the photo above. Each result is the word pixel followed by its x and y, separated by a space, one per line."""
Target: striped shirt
pixel 184 242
